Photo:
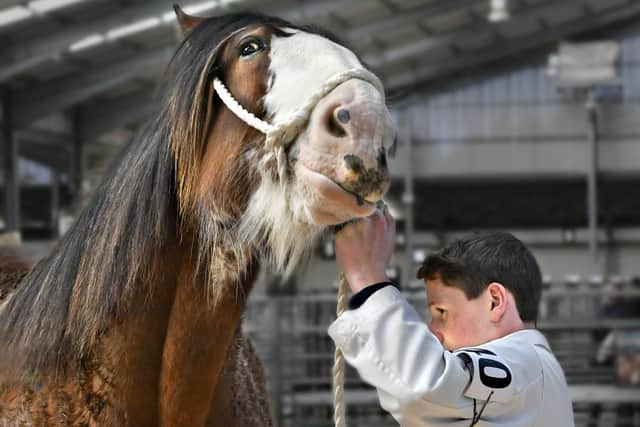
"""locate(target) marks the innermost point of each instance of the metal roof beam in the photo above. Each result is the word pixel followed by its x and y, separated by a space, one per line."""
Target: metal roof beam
pixel 39 101
pixel 423 74
pixel 408 51
pixel 6 4
pixel 408 17
pixel 310 12
pixel 48 97
pixel 24 56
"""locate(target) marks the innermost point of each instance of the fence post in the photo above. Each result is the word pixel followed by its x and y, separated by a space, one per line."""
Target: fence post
pixel 276 360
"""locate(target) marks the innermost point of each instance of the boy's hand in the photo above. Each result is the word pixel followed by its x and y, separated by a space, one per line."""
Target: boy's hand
pixel 364 247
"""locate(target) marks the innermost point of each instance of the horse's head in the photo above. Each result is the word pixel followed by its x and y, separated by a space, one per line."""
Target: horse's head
pixel 323 160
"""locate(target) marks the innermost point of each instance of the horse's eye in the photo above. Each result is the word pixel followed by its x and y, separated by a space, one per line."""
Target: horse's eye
pixel 250 47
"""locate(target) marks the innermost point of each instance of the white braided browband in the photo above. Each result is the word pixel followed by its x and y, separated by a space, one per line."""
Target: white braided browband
pixel 280 134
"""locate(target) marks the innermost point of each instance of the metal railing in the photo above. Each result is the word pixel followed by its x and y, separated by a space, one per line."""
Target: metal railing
pixel 290 336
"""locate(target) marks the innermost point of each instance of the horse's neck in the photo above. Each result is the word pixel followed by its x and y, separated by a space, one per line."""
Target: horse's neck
pixel 176 347
pixel 200 331
pixel 130 352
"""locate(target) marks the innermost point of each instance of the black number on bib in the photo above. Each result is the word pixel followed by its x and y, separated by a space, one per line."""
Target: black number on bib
pixel 490 377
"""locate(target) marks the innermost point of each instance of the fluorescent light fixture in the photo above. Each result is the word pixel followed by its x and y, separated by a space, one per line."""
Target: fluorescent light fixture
pixel 42 6
pixel 87 42
pixel 133 28
pixel 169 17
pixel 14 14
pixel 499 11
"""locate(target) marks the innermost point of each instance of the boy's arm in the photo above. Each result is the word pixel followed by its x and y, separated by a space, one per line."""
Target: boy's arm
pixel 384 338
pixel 393 350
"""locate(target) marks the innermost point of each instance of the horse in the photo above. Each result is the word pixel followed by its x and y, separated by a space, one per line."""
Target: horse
pixel 134 318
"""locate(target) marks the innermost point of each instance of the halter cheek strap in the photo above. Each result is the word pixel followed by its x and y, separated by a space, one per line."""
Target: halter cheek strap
pixel 280 134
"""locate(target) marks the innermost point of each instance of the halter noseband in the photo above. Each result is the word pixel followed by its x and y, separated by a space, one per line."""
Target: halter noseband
pixel 280 134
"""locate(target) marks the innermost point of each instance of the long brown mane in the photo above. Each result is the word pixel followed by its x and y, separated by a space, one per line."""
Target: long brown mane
pixel 111 253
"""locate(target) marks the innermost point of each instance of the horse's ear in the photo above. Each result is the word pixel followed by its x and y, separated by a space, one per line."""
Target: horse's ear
pixel 187 22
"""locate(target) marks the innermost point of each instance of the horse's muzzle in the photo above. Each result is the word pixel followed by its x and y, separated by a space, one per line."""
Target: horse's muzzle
pixel 352 123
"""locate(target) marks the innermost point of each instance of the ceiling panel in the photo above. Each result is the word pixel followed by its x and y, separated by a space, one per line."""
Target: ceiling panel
pixel 356 13
pixel 449 22
pixel 519 27
pixel 560 14
pixel 400 35
pixel 51 70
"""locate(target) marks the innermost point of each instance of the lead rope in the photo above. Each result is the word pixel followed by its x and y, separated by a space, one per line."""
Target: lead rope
pixel 339 406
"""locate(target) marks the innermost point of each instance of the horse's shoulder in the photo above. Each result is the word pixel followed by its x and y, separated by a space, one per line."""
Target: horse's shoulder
pixel 13 268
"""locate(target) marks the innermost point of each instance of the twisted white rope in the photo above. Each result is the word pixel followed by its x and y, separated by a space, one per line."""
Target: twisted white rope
pixel 238 109
pixel 339 406
pixel 279 135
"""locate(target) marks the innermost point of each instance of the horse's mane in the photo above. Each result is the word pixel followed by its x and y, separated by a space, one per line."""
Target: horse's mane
pixel 64 302
pixel 97 268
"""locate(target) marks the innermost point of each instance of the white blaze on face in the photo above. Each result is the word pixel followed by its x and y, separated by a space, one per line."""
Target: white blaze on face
pixel 285 217
pixel 303 67
pixel 301 64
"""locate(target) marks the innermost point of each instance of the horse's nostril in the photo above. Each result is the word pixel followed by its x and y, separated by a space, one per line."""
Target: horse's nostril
pixel 354 163
pixel 336 121
pixel 343 116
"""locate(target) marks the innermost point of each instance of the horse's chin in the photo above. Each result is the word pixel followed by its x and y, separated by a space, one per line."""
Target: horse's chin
pixel 330 204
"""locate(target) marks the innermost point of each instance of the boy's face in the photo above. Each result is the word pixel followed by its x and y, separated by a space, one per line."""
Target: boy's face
pixel 456 321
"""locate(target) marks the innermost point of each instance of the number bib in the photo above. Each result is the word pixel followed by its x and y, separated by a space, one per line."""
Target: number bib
pixel 489 374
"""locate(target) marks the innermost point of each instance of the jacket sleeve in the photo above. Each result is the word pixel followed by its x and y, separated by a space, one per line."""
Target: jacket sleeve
pixel 391 347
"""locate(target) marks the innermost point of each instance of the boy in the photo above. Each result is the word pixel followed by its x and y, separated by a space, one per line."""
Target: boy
pixel 480 362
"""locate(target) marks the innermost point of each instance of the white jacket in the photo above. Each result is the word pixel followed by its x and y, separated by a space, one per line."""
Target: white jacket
pixel 423 385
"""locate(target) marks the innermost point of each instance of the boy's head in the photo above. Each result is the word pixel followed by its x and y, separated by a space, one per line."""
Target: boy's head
pixel 481 288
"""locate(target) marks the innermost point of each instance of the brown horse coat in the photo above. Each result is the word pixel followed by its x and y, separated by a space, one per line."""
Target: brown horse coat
pixel 134 318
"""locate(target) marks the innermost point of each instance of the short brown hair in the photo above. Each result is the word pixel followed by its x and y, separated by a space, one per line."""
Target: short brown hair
pixel 472 263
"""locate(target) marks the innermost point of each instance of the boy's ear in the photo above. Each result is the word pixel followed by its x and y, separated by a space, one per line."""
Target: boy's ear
pixel 498 300
pixel 187 22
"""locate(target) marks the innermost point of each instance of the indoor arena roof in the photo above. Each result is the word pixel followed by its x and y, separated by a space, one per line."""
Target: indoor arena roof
pixel 91 65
